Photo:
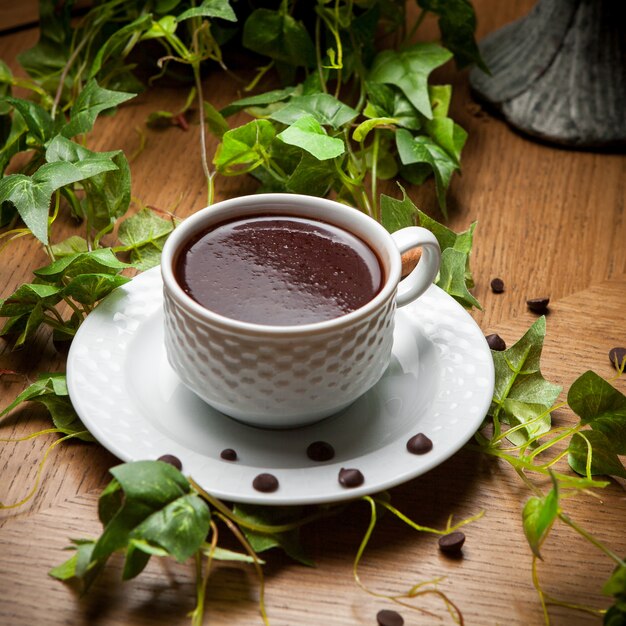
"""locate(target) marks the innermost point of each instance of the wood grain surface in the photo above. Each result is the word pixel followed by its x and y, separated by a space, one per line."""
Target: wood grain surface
pixel 551 222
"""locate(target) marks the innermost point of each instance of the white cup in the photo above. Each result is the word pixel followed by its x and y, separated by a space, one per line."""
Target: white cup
pixel 288 376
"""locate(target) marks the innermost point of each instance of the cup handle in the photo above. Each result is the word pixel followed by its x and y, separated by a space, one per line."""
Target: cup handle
pixel 425 273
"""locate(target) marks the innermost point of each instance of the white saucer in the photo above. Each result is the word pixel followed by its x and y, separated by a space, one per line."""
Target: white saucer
pixel 440 382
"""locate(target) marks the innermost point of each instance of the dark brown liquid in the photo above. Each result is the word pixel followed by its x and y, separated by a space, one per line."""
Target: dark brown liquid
pixel 279 270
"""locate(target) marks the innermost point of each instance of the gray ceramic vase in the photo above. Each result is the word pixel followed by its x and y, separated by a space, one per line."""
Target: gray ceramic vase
pixel 559 73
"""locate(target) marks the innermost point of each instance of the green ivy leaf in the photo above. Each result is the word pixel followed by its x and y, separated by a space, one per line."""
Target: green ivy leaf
pixel 604 459
pixel 518 374
pixel 409 70
pixel 326 109
pixel 144 235
pixel 246 146
pixel 311 176
pixel 279 36
pixel 215 120
pixel 449 135
pixel 210 8
pixel 516 413
pixel 538 517
pixel 162 27
pixel 308 134
pixel 422 149
pixel 457 22
pixel 260 100
pixel 27 296
pixel 397 214
pixel 387 101
pixel 99 261
pixel 91 101
pixel 288 541
pixel 452 277
pixel 87 289
pixel 601 406
pixel 15 141
pixel 38 121
pixel 70 246
pixel 361 132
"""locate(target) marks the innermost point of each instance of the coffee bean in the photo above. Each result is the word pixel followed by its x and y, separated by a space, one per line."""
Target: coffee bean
pixel 265 483
pixel 228 454
pixel 538 305
pixel 386 617
pixel 496 342
pixel 452 542
pixel 497 285
pixel 419 444
pixel 320 451
pixel 617 356
pixel 349 477
pixel 172 460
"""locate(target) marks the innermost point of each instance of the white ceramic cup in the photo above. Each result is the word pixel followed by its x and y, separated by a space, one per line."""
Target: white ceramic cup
pixel 288 376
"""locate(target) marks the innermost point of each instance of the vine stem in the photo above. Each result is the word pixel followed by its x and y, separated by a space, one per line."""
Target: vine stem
pixel 205 165
pixel 66 69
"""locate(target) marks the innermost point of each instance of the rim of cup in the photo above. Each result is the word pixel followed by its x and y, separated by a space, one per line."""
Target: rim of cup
pixel 295 205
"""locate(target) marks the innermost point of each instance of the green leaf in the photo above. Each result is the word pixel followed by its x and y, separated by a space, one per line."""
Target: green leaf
pixel 518 374
pixel 288 541
pixel 600 405
pixel 91 101
pixel 422 149
pixel 38 121
pixel 279 36
pixel 409 70
pixel 397 214
pixel 89 288
pixel 215 121
pixel 246 145
pixel 64 416
pixel 361 132
pixel 387 101
pixel 452 277
pixel 27 296
pixel 14 142
pixel 100 261
pixel 223 554
pixel 457 22
pixel 326 109
pixel 538 420
pixel 308 134
pixel 70 246
pixel 604 459
pixel 616 584
pixel 262 99
pixel 449 135
pixel 144 235
pixel 311 176
pixel 161 28
pixel 180 527
pixel 539 515
pixel 210 8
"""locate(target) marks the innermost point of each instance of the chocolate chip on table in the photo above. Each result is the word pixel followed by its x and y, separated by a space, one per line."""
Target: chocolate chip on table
pixel 495 342
pixel 265 483
pixel 419 444
pixel 172 460
pixel 497 285
pixel 538 305
pixel 350 477
pixel 320 451
pixel 387 617
pixel 617 356
pixel 228 454
pixel 452 542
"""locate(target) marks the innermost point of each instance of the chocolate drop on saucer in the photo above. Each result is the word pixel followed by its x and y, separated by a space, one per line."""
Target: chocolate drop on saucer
pixel 617 356
pixel 419 444
pixel 267 483
pixel 171 460
pixel 538 305
pixel 495 342
pixel 452 542
pixel 350 477
pixel 497 285
pixel 387 617
pixel 320 451
pixel 228 454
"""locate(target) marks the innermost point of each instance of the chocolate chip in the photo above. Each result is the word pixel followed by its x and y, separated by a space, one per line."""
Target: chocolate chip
pixel 497 285
pixel 172 460
pixel 265 483
pixel 496 342
pixel 386 617
pixel 320 451
pixel 452 542
pixel 349 477
pixel 228 454
pixel 419 444
pixel 617 356
pixel 538 305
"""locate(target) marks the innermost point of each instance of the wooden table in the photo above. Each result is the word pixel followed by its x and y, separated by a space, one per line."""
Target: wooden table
pixel 550 222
